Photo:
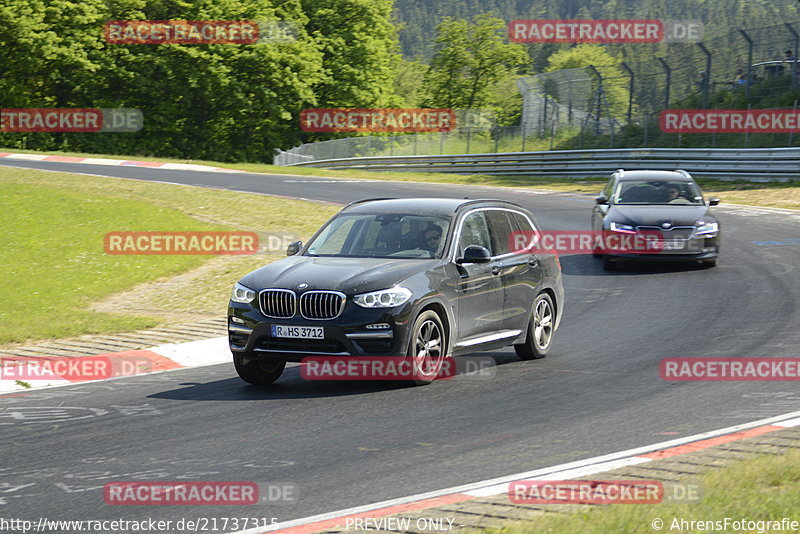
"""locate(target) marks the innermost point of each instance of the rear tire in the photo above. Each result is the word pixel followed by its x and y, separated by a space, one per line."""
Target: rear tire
pixel 541 327
pixel 426 348
pixel 609 265
pixel 259 373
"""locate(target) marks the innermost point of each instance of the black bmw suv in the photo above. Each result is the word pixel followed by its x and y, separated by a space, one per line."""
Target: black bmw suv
pixel 423 279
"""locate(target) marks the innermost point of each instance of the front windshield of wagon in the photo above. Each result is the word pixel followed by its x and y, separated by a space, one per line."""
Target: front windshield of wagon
pixel 661 192
pixel 383 235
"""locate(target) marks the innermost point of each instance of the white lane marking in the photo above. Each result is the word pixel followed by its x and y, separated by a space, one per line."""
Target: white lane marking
pixel 329 181
pixel 33 157
pixel 548 471
pixel 186 167
pixel 790 423
pixel 533 191
pixel 196 353
pixel 11 386
pixel 96 161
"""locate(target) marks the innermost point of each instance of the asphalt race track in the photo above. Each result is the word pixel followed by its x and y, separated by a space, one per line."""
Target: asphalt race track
pixel 348 444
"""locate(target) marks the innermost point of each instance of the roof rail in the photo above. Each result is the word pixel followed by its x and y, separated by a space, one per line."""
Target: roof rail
pixel 367 200
pixel 479 200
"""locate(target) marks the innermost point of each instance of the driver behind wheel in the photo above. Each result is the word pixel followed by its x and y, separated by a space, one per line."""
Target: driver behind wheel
pixel 430 239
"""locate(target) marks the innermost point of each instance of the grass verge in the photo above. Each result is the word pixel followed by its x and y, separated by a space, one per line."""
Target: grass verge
pixel 760 489
pixel 59 281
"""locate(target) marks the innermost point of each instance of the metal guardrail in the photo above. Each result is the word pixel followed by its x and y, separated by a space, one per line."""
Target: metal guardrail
pixel 756 164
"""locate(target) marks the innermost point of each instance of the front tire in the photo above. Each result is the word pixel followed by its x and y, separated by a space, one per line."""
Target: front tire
pixel 259 373
pixel 541 327
pixel 608 264
pixel 426 348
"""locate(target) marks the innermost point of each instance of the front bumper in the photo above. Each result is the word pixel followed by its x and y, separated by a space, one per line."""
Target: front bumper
pixel 694 249
pixel 347 335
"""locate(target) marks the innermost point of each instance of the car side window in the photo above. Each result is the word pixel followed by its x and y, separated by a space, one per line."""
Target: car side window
pixel 474 231
pixel 501 230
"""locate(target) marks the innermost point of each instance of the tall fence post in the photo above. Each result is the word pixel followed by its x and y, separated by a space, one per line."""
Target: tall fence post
pixel 630 89
pixel 598 108
pixel 794 51
pixel 747 132
pixel 749 63
pixel 668 81
pixel 707 81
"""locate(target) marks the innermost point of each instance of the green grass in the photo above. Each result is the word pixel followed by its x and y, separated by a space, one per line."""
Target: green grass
pixel 54 262
pixel 54 266
pixel 763 488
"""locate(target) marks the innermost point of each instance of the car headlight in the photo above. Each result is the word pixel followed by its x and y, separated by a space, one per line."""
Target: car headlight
pixel 707 228
pixel 242 294
pixel 385 298
pixel 624 228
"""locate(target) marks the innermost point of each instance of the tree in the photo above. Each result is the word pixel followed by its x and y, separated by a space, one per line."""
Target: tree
pixel 472 58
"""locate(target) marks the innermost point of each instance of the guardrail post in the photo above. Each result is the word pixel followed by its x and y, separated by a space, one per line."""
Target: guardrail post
pixel 707 80
pixel 749 63
pixel 794 51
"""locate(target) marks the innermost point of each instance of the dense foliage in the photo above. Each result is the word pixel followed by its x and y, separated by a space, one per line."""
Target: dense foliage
pixel 229 102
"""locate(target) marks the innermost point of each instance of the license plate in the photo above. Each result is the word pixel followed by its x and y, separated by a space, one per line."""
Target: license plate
pixel 673 245
pixel 298 332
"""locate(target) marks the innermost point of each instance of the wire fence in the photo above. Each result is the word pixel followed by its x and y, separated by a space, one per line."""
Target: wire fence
pixel 618 106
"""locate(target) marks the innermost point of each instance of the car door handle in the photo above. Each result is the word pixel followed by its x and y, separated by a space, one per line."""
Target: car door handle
pixel 533 261
pixel 496 269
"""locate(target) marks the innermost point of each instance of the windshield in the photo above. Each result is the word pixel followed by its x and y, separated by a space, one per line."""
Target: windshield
pixel 657 192
pixel 394 235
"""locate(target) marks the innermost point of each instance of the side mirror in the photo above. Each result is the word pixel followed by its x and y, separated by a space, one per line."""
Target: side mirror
pixel 713 201
pixel 601 200
pixel 293 248
pixel 475 254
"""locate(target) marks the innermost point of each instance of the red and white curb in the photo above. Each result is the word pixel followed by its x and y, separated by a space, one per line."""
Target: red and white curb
pixel 116 162
pixel 156 359
pixel 499 486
